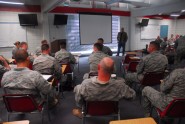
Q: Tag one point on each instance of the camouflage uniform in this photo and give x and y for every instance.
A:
(92, 89)
(163, 47)
(107, 50)
(2, 71)
(63, 54)
(171, 87)
(46, 64)
(95, 58)
(38, 51)
(154, 62)
(179, 46)
(25, 81)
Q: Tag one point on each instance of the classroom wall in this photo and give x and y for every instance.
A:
(174, 27)
(60, 32)
(33, 35)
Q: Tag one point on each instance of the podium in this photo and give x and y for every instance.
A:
(55, 45)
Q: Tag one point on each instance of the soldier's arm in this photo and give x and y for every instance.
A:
(118, 36)
(168, 82)
(5, 64)
(42, 85)
(90, 59)
(140, 67)
(57, 68)
(128, 92)
(110, 52)
(72, 59)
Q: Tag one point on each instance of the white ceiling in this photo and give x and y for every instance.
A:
(119, 4)
(125, 5)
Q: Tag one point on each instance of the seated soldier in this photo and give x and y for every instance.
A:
(95, 58)
(171, 87)
(153, 62)
(4, 67)
(105, 49)
(63, 56)
(102, 87)
(21, 80)
(38, 50)
(46, 64)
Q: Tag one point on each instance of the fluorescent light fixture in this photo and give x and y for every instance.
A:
(175, 15)
(11, 3)
(183, 10)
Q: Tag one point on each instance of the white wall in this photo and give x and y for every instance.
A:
(56, 32)
(33, 34)
(180, 27)
(138, 43)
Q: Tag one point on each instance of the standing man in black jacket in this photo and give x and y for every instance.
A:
(122, 39)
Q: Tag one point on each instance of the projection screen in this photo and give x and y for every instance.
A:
(94, 26)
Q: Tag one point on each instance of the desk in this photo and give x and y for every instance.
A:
(135, 121)
(134, 58)
(131, 53)
(46, 77)
(17, 122)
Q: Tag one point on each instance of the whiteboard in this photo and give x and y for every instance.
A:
(150, 32)
(94, 26)
(11, 32)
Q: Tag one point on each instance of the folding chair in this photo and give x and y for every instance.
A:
(67, 71)
(176, 109)
(100, 108)
(126, 60)
(131, 67)
(21, 104)
(151, 79)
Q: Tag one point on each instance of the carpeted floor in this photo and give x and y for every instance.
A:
(62, 113)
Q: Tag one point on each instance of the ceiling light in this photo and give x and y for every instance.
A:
(175, 15)
(183, 10)
(11, 3)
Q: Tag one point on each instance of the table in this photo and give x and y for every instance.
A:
(135, 121)
(17, 122)
(46, 77)
(131, 53)
(134, 58)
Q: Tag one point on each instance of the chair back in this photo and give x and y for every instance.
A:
(99, 108)
(20, 103)
(132, 66)
(127, 59)
(65, 60)
(176, 108)
(67, 68)
(152, 78)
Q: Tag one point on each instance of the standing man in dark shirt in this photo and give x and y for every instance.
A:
(122, 39)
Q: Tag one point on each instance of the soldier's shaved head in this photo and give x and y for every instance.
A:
(21, 55)
(107, 65)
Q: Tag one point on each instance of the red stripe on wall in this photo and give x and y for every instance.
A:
(20, 8)
(95, 10)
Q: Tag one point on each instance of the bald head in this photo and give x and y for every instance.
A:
(107, 65)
